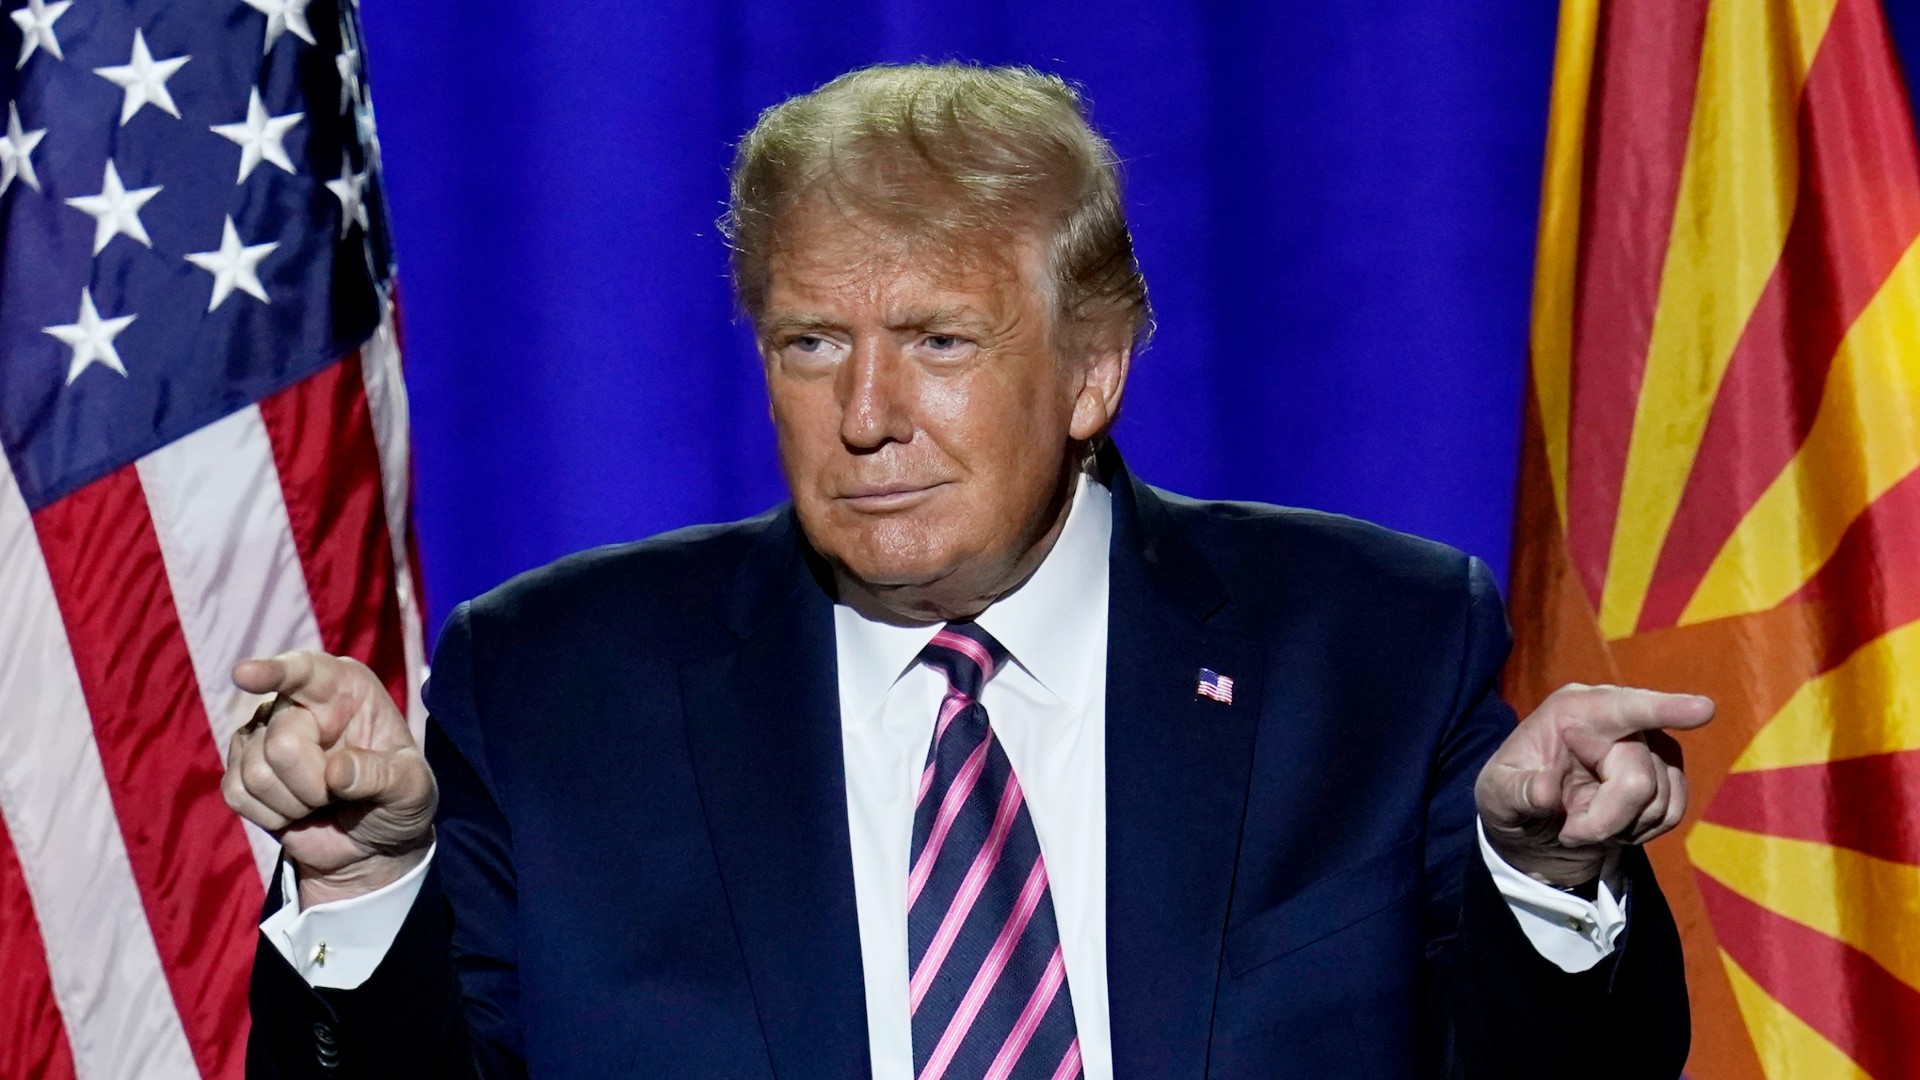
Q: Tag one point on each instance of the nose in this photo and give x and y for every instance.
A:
(875, 396)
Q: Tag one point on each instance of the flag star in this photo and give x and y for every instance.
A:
(116, 211)
(36, 28)
(144, 79)
(91, 338)
(282, 16)
(351, 189)
(234, 266)
(369, 130)
(348, 64)
(261, 137)
(16, 151)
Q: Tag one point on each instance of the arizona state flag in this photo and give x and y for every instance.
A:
(1721, 491)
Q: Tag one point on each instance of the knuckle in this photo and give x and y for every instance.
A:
(283, 745)
(231, 791)
(1638, 785)
(255, 774)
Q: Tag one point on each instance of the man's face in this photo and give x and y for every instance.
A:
(926, 423)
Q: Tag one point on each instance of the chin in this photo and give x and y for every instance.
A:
(892, 553)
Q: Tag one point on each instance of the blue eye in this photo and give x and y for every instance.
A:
(944, 342)
(807, 343)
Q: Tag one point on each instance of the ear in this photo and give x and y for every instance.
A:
(1098, 400)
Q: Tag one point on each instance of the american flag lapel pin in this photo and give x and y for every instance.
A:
(1214, 685)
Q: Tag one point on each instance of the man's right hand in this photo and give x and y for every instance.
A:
(329, 767)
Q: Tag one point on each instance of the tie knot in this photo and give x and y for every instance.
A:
(967, 654)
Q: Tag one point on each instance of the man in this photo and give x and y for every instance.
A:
(981, 758)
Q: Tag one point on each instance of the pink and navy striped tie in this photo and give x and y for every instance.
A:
(988, 988)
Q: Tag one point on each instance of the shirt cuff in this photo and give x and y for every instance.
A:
(338, 944)
(1573, 932)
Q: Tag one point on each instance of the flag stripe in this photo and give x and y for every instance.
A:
(1872, 584)
(1557, 260)
(1737, 192)
(100, 952)
(386, 390)
(1821, 887)
(231, 563)
(1869, 704)
(1847, 803)
(1846, 997)
(329, 465)
(1858, 211)
(1649, 66)
(36, 1039)
(1788, 1046)
(188, 851)
(1865, 439)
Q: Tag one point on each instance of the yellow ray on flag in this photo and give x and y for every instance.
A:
(1789, 1048)
(1865, 438)
(1869, 704)
(1823, 887)
(1556, 267)
(1737, 193)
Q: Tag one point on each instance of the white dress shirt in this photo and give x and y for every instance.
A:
(1048, 709)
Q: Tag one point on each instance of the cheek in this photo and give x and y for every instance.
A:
(806, 425)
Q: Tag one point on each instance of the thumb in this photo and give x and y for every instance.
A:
(356, 774)
(1525, 795)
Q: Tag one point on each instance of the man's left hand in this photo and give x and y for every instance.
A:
(1593, 769)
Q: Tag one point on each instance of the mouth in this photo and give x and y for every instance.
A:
(889, 498)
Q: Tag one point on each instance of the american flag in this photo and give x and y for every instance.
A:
(1215, 685)
(206, 459)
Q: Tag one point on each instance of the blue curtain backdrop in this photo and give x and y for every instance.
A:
(1334, 205)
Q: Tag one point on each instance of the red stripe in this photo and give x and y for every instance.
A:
(950, 803)
(1647, 61)
(1070, 1064)
(1032, 895)
(1036, 1008)
(33, 1039)
(329, 464)
(1838, 990)
(968, 648)
(961, 906)
(1858, 212)
(1871, 584)
(1860, 803)
(191, 861)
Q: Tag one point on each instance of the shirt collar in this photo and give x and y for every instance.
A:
(1053, 625)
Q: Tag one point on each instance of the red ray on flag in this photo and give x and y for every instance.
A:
(1720, 491)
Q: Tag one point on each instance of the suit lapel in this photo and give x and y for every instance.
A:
(1177, 773)
(764, 726)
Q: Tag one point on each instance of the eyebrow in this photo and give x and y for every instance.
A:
(959, 316)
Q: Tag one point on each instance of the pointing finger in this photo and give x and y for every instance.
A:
(1613, 713)
(308, 675)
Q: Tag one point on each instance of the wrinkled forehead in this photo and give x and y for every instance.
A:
(827, 248)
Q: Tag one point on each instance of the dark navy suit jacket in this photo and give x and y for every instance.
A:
(644, 866)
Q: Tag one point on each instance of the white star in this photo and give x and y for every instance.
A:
(348, 64)
(91, 338)
(261, 137)
(116, 211)
(36, 27)
(144, 79)
(369, 130)
(16, 151)
(282, 16)
(351, 189)
(234, 266)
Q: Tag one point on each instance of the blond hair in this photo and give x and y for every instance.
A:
(947, 152)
